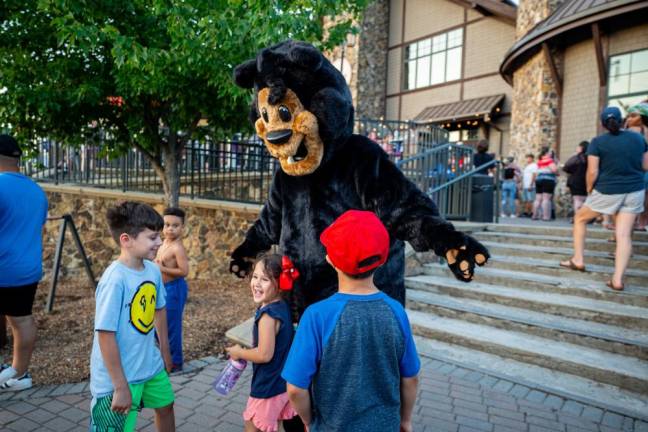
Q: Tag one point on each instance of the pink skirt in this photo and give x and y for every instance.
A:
(266, 413)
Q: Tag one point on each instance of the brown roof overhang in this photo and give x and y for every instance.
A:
(462, 110)
(504, 10)
(569, 16)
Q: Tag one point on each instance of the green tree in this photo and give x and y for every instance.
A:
(144, 72)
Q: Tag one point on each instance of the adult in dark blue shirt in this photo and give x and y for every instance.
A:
(23, 211)
(616, 162)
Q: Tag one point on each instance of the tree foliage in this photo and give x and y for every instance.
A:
(144, 72)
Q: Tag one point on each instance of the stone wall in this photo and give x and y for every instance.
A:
(535, 112)
(212, 229)
(531, 12)
(372, 60)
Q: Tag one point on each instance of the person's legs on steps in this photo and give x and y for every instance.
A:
(584, 215)
(624, 224)
(546, 206)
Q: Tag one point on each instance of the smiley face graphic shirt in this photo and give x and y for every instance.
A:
(126, 301)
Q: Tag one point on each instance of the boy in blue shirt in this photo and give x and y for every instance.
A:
(354, 350)
(127, 370)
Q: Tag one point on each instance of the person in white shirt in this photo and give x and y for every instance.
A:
(528, 186)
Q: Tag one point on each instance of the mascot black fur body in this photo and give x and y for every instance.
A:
(303, 111)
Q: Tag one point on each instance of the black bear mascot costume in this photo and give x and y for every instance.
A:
(302, 110)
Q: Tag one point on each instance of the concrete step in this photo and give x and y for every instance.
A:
(618, 370)
(568, 386)
(562, 231)
(639, 247)
(633, 295)
(595, 272)
(559, 253)
(606, 337)
(629, 316)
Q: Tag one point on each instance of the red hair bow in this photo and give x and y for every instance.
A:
(289, 274)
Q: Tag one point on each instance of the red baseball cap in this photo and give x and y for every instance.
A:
(356, 242)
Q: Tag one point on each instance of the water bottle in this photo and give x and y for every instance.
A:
(232, 372)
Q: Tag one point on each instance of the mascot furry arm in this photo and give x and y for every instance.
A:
(303, 112)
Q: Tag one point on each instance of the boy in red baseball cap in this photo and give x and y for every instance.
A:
(355, 348)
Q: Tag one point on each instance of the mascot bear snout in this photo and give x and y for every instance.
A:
(290, 132)
(279, 136)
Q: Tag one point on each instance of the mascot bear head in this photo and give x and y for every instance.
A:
(302, 107)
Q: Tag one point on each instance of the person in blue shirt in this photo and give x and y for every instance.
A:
(127, 369)
(353, 365)
(23, 212)
(616, 163)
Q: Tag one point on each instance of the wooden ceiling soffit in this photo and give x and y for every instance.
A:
(494, 8)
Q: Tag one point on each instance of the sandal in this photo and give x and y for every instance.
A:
(570, 265)
(610, 285)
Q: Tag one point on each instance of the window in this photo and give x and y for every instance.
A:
(434, 60)
(628, 79)
(464, 135)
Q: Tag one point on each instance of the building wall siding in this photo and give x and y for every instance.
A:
(486, 43)
(391, 111)
(489, 86)
(413, 103)
(423, 17)
(631, 39)
(395, 22)
(473, 15)
(580, 103)
(394, 68)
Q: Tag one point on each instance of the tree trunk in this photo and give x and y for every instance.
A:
(171, 177)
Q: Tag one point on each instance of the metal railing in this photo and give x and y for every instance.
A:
(400, 139)
(225, 170)
(462, 208)
(446, 174)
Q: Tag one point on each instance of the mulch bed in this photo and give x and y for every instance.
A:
(62, 353)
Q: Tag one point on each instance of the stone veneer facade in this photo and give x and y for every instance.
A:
(535, 112)
(372, 61)
(212, 229)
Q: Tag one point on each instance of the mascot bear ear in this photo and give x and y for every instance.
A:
(306, 55)
(245, 73)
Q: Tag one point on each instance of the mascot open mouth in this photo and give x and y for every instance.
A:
(302, 153)
(290, 133)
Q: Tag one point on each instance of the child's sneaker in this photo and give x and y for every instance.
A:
(6, 373)
(15, 384)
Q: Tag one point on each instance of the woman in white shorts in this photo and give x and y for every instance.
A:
(616, 162)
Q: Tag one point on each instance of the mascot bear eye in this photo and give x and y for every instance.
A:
(284, 113)
(264, 114)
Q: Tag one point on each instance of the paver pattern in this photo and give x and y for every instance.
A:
(450, 398)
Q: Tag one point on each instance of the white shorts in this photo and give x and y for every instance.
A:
(632, 202)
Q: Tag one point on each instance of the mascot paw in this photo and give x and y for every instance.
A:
(462, 261)
(240, 268)
(241, 263)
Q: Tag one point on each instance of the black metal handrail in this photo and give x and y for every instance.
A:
(434, 168)
(401, 139)
(470, 175)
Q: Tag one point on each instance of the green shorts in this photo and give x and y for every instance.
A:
(154, 393)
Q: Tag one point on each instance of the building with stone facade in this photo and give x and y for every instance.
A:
(572, 58)
(437, 62)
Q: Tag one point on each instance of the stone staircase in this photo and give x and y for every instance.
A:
(526, 319)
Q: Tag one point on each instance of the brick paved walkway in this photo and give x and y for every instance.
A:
(450, 399)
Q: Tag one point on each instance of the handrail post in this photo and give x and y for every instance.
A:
(498, 192)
